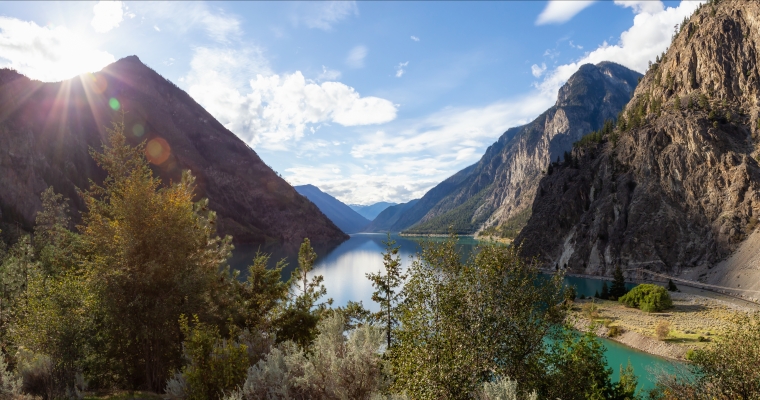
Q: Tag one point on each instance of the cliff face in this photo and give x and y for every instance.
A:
(502, 185)
(679, 188)
(46, 129)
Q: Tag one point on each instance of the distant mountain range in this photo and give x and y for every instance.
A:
(343, 216)
(371, 211)
(388, 219)
(48, 129)
(496, 193)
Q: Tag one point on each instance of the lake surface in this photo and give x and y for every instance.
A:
(345, 267)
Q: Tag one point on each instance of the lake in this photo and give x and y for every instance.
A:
(344, 268)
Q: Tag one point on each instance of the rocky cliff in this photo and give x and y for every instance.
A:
(500, 188)
(675, 185)
(47, 128)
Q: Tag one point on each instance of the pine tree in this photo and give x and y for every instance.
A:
(617, 289)
(605, 291)
(387, 293)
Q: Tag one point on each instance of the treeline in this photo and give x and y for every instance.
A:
(139, 297)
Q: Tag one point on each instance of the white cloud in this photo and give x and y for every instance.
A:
(328, 75)
(575, 46)
(400, 69)
(47, 54)
(179, 18)
(415, 38)
(107, 15)
(451, 131)
(537, 71)
(650, 34)
(356, 57)
(560, 11)
(156, 28)
(323, 15)
(274, 110)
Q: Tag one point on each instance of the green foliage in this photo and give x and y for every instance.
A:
(648, 297)
(726, 370)
(617, 289)
(605, 294)
(260, 294)
(596, 137)
(677, 103)
(215, 366)
(462, 323)
(298, 321)
(578, 370)
(338, 366)
(152, 254)
(387, 287)
(503, 389)
(512, 227)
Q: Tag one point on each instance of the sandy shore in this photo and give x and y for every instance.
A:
(696, 320)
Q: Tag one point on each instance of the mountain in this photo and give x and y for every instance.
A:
(385, 221)
(343, 216)
(497, 192)
(46, 130)
(676, 186)
(371, 211)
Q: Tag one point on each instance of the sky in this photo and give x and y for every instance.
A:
(369, 101)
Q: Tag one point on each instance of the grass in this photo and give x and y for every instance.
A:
(124, 396)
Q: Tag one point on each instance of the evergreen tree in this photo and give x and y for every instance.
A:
(605, 291)
(151, 255)
(672, 286)
(387, 287)
(298, 321)
(617, 289)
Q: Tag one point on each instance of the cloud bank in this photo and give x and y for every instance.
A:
(107, 15)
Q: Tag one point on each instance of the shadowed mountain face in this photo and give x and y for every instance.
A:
(501, 186)
(343, 216)
(47, 128)
(371, 211)
(388, 219)
(680, 187)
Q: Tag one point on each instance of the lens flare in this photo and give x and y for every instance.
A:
(99, 83)
(138, 130)
(115, 105)
(157, 151)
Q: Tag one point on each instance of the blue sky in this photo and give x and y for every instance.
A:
(370, 101)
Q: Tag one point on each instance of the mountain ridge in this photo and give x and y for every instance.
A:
(344, 217)
(47, 129)
(676, 186)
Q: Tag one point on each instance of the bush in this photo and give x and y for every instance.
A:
(10, 385)
(36, 373)
(648, 297)
(503, 389)
(672, 286)
(662, 330)
(614, 331)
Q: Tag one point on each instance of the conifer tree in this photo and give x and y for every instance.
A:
(605, 291)
(617, 289)
(387, 287)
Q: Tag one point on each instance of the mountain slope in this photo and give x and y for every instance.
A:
(371, 211)
(501, 186)
(680, 187)
(343, 216)
(387, 219)
(47, 128)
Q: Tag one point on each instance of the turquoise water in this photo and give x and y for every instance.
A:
(345, 267)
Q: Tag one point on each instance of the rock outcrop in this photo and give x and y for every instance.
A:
(500, 188)
(675, 186)
(46, 130)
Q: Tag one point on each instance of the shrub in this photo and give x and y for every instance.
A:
(614, 330)
(36, 373)
(700, 339)
(648, 297)
(503, 389)
(662, 330)
(10, 385)
(215, 365)
(672, 286)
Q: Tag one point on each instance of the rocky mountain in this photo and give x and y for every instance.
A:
(498, 191)
(46, 130)
(371, 211)
(675, 186)
(343, 216)
(386, 220)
